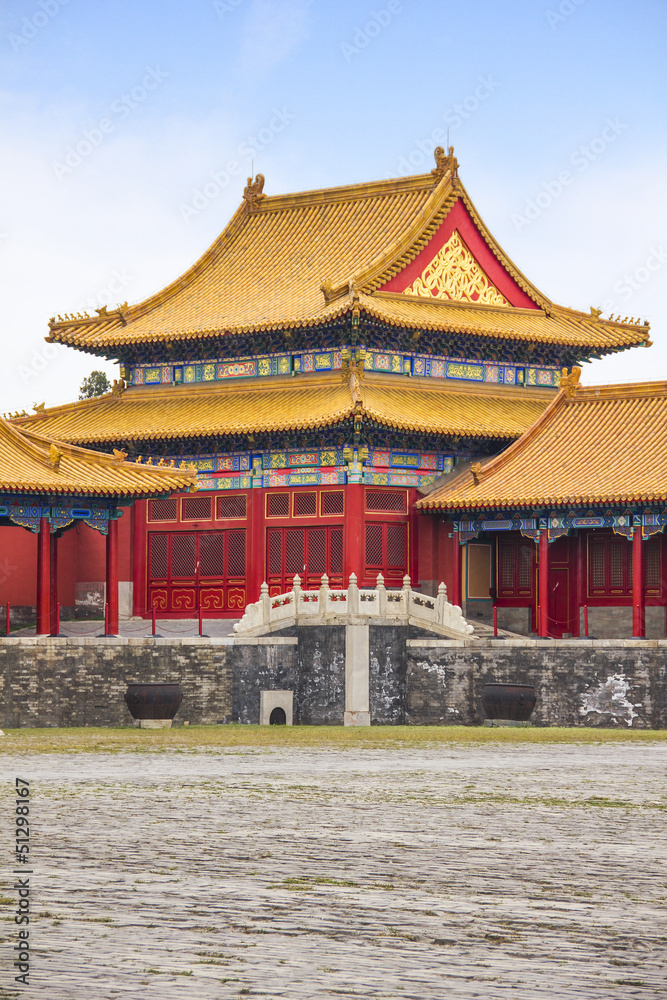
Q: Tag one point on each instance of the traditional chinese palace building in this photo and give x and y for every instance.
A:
(328, 359)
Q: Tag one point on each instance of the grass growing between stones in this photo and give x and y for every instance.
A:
(230, 737)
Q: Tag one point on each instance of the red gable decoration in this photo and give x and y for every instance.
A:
(487, 279)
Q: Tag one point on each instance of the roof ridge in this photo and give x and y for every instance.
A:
(345, 192)
(409, 243)
(531, 290)
(620, 390)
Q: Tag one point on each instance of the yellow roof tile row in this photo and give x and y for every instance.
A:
(300, 260)
(286, 403)
(422, 407)
(562, 326)
(33, 463)
(599, 445)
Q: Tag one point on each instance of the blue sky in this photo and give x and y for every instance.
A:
(556, 109)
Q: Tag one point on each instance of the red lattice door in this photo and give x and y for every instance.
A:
(310, 552)
(192, 569)
(387, 551)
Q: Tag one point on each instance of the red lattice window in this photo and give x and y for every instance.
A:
(652, 559)
(305, 504)
(231, 506)
(386, 502)
(236, 553)
(396, 545)
(386, 548)
(525, 554)
(317, 550)
(294, 551)
(275, 552)
(609, 565)
(374, 545)
(515, 567)
(158, 547)
(183, 557)
(197, 508)
(310, 552)
(277, 505)
(212, 553)
(163, 510)
(336, 554)
(333, 502)
(194, 569)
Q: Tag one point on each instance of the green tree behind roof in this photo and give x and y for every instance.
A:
(95, 384)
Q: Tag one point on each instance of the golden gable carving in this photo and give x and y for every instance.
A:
(455, 274)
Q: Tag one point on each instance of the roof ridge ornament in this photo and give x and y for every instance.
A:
(445, 162)
(569, 381)
(476, 471)
(253, 192)
(55, 454)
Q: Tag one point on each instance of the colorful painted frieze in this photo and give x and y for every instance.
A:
(311, 362)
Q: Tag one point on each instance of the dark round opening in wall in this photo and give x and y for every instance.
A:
(278, 717)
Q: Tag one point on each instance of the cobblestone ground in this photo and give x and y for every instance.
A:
(493, 871)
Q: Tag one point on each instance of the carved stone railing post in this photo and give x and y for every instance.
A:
(441, 603)
(265, 603)
(353, 596)
(296, 590)
(324, 595)
(406, 590)
(382, 596)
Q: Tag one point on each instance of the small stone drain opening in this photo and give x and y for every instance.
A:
(278, 717)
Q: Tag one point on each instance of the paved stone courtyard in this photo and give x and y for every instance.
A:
(480, 871)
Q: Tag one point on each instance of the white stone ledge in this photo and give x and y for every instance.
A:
(542, 643)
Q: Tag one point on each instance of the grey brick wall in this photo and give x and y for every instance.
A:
(414, 679)
(578, 682)
(82, 682)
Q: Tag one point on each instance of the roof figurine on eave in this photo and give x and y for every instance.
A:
(411, 253)
(592, 445)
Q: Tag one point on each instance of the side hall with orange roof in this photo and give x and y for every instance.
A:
(48, 487)
(331, 356)
(563, 531)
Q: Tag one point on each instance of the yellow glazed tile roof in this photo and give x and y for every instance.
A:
(594, 445)
(286, 403)
(562, 326)
(418, 405)
(180, 412)
(298, 260)
(33, 463)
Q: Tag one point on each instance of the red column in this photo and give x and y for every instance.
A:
(139, 543)
(112, 576)
(354, 548)
(44, 578)
(638, 613)
(255, 570)
(53, 588)
(543, 586)
(456, 596)
(413, 538)
(582, 583)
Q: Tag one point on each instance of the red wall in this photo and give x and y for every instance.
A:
(81, 558)
(18, 566)
(437, 550)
